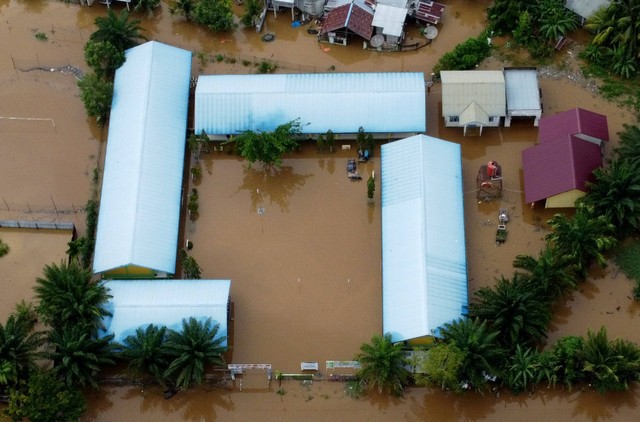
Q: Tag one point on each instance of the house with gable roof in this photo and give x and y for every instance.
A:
(569, 149)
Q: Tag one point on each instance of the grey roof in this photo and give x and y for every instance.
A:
(523, 92)
(460, 88)
(586, 8)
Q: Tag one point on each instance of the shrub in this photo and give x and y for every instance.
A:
(465, 55)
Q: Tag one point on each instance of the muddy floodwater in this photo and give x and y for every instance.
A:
(301, 245)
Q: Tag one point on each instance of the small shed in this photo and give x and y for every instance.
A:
(473, 99)
(569, 149)
(389, 20)
(586, 8)
(523, 94)
(424, 267)
(341, 23)
(137, 303)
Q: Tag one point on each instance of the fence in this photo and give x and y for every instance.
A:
(40, 212)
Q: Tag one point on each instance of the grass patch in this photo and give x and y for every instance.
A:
(41, 36)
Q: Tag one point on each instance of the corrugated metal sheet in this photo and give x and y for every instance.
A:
(462, 87)
(424, 271)
(140, 200)
(390, 19)
(523, 92)
(557, 167)
(586, 8)
(342, 102)
(577, 121)
(138, 303)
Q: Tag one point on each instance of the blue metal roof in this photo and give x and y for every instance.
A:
(341, 102)
(424, 270)
(138, 303)
(141, 188)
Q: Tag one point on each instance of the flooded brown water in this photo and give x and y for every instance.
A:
(301, 245)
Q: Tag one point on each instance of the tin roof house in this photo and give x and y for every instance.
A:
(523, 95)
(137, 233)
(387, 105)
(388, 21)
(424, 270)
(569, 149)
(473, 99)
(346, 21)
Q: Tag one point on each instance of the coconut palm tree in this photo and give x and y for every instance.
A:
(117, 30)
(615, 193)
(183, 8)
(78, 357)
(382, 365)
(522, 371)
(629, 149)
(19, 348)
(482, 353)
(610, 365)
(551, 274)
(68, 297)
(582, 238)
(555, 19)
(618, 25)
(192, 350)
(514, 309)
(146, 351)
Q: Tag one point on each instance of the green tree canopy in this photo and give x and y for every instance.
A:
(103, 57)
(146, 351)
(382, 365)
(440, 366)
(118, 30)
(552, 274)
(192, 350)
(69, 298)
(19, 349)
(268, 147)
(96, 95)
(217, 15)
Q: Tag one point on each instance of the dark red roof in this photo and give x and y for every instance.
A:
(577, 121)
(429, 11)
(557, 167)
(350, 16)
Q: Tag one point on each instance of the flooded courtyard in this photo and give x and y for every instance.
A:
(301, 244)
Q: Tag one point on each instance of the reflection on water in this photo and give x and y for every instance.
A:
(275, 184)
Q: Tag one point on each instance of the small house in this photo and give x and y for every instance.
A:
(473, 99)
(523, 95)
(346, 21)
(424, 266)
(570, 148)
(389, 20)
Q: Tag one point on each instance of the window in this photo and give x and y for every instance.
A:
(453, 118)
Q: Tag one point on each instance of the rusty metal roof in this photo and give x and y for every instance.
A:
(355, 16)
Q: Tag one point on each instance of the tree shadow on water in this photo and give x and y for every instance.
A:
(599, 407)
(273, 184)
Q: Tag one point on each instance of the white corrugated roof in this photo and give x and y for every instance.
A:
(462, 87)
(424, 272)
(390, 19)
(142, 181)
(341, 102)
(586, 8)
(523, 92)
(138, 303)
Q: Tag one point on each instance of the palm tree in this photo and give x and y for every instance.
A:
(69, 297)
(78, 358)
(193, 349)
(522, 371)
(551, 274)
(514, 309)
(615, 193)
(19, 348)
(483, 353)
(382, 365)
(146, 352)
(582, 238)
(610, 365)
(183, 8)
(629, 149)
(147, 7)
(617, 25)
(555, 19)
(118, 30)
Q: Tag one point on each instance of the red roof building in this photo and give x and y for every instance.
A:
(569, 149)
(356, 17)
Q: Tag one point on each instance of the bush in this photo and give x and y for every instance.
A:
(464, 56)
